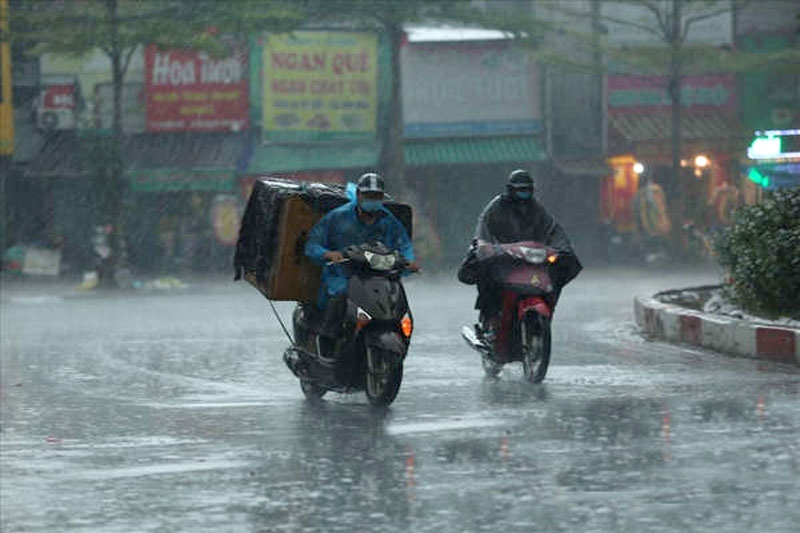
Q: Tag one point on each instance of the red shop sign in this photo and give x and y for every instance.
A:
(59, 97)
(192, 91)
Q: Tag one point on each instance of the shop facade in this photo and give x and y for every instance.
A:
(707, 187)
(472, 113)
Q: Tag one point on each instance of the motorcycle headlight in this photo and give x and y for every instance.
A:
(380, 261)
(534, 255)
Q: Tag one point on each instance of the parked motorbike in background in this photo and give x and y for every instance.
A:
(376, 331)
(522, 271)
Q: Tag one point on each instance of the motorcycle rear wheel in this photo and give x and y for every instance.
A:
(383, 378)
(312, 391)
(536, 341)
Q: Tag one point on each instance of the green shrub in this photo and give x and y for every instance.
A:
(761, 252)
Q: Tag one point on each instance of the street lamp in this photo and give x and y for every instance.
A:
(638, 167)
(701, 161)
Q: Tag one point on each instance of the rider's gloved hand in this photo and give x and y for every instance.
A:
(413, 266)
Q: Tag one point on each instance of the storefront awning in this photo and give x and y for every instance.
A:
(469, 151)
(647, 130)
(271, 158)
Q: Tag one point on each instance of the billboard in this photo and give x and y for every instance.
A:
(469, 88)
(188, 90)
(6, 104)
(322, 84)
(640, 94)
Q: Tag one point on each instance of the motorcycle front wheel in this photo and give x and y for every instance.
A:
(535, 347)
(312, 391)
(491, 368)
(383, 377)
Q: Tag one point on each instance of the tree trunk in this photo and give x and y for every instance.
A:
(676, 103)
(392, 160)
(598, 66)
(115, 189)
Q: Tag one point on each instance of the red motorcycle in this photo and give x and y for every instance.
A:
(522, 272)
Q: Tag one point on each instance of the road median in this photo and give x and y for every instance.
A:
(732, 336)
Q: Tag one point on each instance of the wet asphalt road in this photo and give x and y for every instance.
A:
(174, 412)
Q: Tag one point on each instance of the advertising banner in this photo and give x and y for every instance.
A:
(57, 106)
(191, 91)
(6, 105)
(452, 89)
(638, 94)
(320, 83)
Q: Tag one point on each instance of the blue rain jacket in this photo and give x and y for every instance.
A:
(341, 228)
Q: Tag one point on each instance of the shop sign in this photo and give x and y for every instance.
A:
(56, 107)
(776, 144)
(638, 94)
(191, 91)
(452, 89)
(322, 84)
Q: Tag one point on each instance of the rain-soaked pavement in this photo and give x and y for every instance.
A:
(174, 412)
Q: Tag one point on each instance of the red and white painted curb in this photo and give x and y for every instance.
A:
(727, 335)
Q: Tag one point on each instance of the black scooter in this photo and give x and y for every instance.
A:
(376, 331)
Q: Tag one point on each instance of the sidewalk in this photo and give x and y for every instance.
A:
(731, 336)
(15, 285)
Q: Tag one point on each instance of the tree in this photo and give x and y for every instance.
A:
(664, 45)
(119, 27)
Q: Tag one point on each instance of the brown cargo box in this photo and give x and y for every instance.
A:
(270, 252)
(292, 276)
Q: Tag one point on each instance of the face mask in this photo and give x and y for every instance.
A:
(371, 206)
(523, 195)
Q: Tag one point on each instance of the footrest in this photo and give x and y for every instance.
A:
(469, 335)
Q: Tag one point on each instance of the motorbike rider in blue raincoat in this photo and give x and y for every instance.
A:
(357, 222)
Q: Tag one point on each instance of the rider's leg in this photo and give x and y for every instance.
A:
(331, 326)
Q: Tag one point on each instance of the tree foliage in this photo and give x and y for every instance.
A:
(761, 252)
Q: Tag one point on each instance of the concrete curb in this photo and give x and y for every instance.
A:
(726, 335)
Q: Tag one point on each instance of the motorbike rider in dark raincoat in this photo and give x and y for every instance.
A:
(516, 216)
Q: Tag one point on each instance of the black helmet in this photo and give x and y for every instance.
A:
(370, 182)
(520, 179)
(519, 186)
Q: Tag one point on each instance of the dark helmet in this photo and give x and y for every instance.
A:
(518, 181)
(370, 182)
